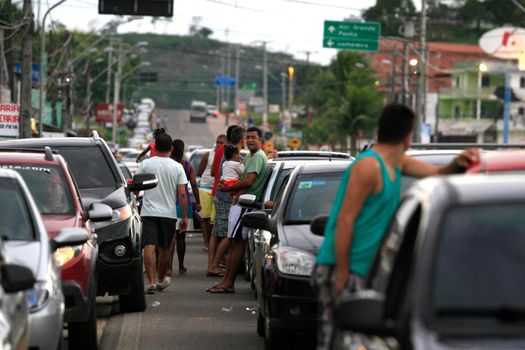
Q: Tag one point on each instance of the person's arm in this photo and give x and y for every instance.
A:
(364, 181)
(203, 163)
(183, 201)
(195, 188)
(143, 153)
(417, 168)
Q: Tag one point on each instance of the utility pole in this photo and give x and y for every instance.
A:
(67, 95)
(223, 73)
(9, 52)
(110, 64)
(116, 94)
(422, 81)
(283, 101)
(27, 73)
(307, 102)
(265, 86)
(89, 81)
(237, 77)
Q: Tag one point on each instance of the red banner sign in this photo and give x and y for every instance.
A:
(104, 113)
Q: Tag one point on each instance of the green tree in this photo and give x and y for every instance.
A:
(475, 11)
(345, 100)
(505, 12)
(389, 13)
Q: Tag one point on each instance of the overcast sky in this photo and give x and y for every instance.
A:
(292, 26)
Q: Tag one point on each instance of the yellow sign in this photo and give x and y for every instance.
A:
(268, 146)
(294, 142)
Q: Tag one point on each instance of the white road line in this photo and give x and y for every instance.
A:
(130, 332)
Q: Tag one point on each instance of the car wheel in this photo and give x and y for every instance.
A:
(83, 335)
(273, 339)
(135, 301)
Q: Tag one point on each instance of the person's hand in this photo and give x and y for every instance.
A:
(341, 280)
(183, 224)
(198, 207)
(137, 160)
(221, 187)
(465, 159)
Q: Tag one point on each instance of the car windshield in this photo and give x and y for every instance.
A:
(49, 188)
(15, 222)
(312, 195)
(195, 160)
(198, 109)
(435, 159)
(89, 166)
(478, 274)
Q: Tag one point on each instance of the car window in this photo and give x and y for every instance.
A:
(283, 173)
(478, 274)
(381, 270)
(195, 160)
(15, 221)
(280, 194)
(90, 167)
(312, 195)
(48, 186)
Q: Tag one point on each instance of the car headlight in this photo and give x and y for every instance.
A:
(64, 254)
(38, 296)
(119, 214)
(294, 261)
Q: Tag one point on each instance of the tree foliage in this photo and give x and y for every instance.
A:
(390, 14)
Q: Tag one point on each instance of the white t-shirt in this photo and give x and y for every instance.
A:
(161, 200)
(232, 169)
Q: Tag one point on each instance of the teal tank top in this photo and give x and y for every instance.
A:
(371, 223)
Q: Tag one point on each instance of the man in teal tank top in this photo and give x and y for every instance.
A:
(367, 198)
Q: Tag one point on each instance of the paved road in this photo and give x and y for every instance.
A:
(186, 316)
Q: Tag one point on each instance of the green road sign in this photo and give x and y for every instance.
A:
(352, 35)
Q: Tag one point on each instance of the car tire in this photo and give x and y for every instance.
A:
(135, 301)
(247, 259)
(260, 324)
(83, 335)
(273, 339)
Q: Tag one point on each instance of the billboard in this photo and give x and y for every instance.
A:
(104, 113)
(9, 120)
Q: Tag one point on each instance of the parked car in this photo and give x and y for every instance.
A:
(448, 274)
(15, 280)
(58, 200)
(285, 298)
(28, 244)
(213, 111)
(198, 111)
(311, 155)
(99, 179)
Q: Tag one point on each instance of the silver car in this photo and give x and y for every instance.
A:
(27, 242)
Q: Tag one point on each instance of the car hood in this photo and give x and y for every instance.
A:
(28, 254)
(300, 237)
(55, 223)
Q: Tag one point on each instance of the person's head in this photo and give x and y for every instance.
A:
(229, 133)
(231, 152)
(237, 137)
(157, 132)
(221, 140)
(396, 124)
(163, 143)
(253, 139)
(177, 152)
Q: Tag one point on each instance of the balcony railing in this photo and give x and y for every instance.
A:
(472, 93)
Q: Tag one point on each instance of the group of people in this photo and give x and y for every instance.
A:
(367, 198)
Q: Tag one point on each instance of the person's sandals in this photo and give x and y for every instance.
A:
(214, 274)
(218, 290)
(164, 284)
(151, 289)
(183, 271)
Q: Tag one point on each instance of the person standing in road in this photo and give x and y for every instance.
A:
(177, 154)
(205, 191)
(159, 213)
(252, 182)
(367, 198)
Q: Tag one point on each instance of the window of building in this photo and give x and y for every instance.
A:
(521, 111)
(522, 82)
(485, 81)
(457, 81)
(457, 112)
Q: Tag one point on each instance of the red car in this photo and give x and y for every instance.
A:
(500, 161)
(48, 177)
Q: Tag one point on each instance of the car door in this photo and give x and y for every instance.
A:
(390, 275)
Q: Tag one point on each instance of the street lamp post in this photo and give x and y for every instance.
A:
(43, 72)
(481, 69)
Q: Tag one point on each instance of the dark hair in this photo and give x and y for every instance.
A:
(163, 143)
(178, 150)
(158, 131)
(237, 135)
(230, 151)
(221, 136)
(229, 132)
(396, 122)
(256, 129)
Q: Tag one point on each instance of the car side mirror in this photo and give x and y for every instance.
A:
(100, 212)
(318, 225)
(256, 219)
(16, 278)
(363, 312)
(142, 182)
(69, 237)
(247, 200)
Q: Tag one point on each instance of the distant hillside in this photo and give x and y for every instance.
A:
(187, 67)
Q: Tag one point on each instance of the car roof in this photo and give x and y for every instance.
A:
(500, 161)
(312, 154)
(323, 167)
(8, 173)
(35, 157)
(50, 141)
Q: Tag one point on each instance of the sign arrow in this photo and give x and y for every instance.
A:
(331, 29)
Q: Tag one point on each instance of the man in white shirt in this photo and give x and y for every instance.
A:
(159, 213)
